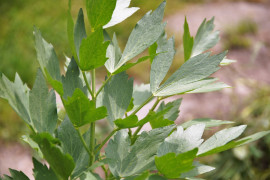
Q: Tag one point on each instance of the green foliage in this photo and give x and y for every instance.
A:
(167, 150)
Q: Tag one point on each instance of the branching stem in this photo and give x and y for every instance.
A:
(87, 84)
(106, 81)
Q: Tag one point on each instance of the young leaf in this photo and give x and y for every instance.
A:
(113, 54)
(208, 122)
(72, 80)
(187, 41)
(121, 12)
(205, 37)
(152, 50)
(61, 163)
(99, 12)
(191, 75)
(221, 138)
(172, 165)
(48, 61)
(126, 160)
(129, 122)
(198, 170)
(173, 113)
(72, 145)
(81, 110)
(140, 94)
(79, 32)
(17, 95)
(157, 119)
(93, 51)
(15, 175)
(145, 33)
(42, 105)
(162, 62)
(117, 95)
(181, 141)
(42, 172)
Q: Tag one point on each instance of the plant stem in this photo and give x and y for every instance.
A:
(106, 81)
(106, 139)
(83, 141)
(92, 125)
(143, 104)
(87, 84)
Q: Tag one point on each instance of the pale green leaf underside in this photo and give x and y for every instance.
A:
(207, 121)
(173, 113)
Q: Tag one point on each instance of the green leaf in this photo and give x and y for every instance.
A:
(117, 95)
(72, 145)
(157, 119)
(205, 37)
(72, 80)
(32, 144)
(42, 105)
(237, 143)
(90, 176)
(221, 138)
(162, 62)
(81, 110)
(42, 172)
(156, 177)
(216, 86)
(181, 141)
(48, 61)
(173, 113)
(79, 32)
(130, 65)
(61, 163)
(140, 94)
(172, 165)
(128, 160)
(17, 95)
(15, 175)
(129, 122)
(70, 32)
(121, 12)
(199, 169)
(142, 176)
(207, 121)
(187, 41)
(93, 51)
(191, 75)
(152, 51)
(145, 33)
(113, 54)
(99, 12)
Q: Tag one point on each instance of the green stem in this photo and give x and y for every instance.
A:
(83, 141)
(106, 81)
(143, 104)
(87, 84)
(106, 139)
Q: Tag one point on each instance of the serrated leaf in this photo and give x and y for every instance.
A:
(216, 86)
(99, 12)
(15, 175)
(42, 105)
(207, 121)
(93, 51)
(181, 141)
(140, 94)
(173, 113)
(72, 145)
(79, 32)
(42, 172)
(17, 95)
(129, 160)
(48, 61)
(117, 95)
(221, 138)
(61, 163)
(187, 41)
(205, 37)
(81, 110)
(162, 62)
(145, 33)
(198, 169)
(113, 54)
(72, 80)
(157, 119)
(172, 165)
(121, 12)
(191, 75)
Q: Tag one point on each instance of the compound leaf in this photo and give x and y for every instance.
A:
(42, 105)
(145, 33)
(15, 175)
(173, 113)
(121, 12)
(93, 51)
(81, 110)
(42, 172)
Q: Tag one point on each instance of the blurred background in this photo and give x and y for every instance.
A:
(245, 32)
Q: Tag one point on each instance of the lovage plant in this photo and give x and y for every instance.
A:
(168, 151)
